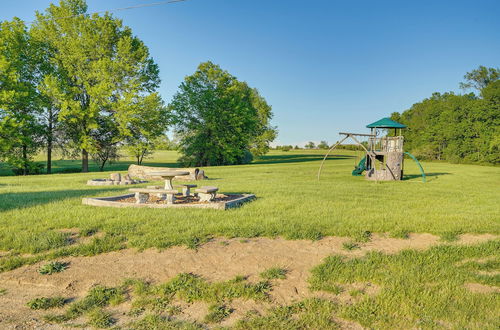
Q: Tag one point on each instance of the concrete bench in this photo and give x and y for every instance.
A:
(186, 188)
(142, 194)
(207, 193)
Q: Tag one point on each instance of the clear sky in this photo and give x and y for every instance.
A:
(324, 65)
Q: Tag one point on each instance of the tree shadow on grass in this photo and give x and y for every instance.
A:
(415, 176)
(18, 200)
(294, 158)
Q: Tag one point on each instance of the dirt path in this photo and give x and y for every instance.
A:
(218, 260)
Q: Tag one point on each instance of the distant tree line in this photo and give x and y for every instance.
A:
(85, 85)
(457, 128)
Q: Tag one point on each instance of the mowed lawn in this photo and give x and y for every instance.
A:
(290, 203)
(422, 289)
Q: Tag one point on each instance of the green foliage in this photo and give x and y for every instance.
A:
(99, 318)
(53, 267)
(457, 128)
(103, 83)
(217, 313)
(20, 104)
(323, 145)
(310, 145)
(220, 120)
(480, 78)
(274, 273)
(418, 288)
(46, 303)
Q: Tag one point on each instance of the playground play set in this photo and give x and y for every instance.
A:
(383, 155)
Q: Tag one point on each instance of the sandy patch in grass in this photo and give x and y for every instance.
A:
(218, 260)
(482, 288)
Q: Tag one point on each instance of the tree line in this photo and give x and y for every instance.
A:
(85, 85)
(457, 128)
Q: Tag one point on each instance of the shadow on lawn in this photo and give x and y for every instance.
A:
(18, 200)
(416, 176)
(294, 158)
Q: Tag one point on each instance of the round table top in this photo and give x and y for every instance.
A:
(168, 173)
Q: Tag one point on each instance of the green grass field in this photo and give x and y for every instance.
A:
(290, 203)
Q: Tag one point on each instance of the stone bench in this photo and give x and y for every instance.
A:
(207, 193)
(142, 194)
(186, 188)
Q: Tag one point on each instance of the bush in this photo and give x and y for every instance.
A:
(32, 168)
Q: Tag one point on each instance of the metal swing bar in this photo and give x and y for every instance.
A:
(347, 135)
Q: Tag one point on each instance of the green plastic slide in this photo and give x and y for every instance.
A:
(360, 168)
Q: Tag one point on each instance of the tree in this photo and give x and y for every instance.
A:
(101, 74)
(19, 99)
(146, 132)
(480, 78)
(310, 145)
(218, 118)
(266, 133)
(456, 128)
(323, 145)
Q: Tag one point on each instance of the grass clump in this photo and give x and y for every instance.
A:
(87, 232)
(98, 296)
(450, 236)
(161, 322)
(350, 246)
(53, 267)
(3, 292)
(419, 289)
(363, 236)
(191, 287)
(309, 314)
(217, 313)
(99, 318)
(400, 233)
(46, 303)
(274, 273)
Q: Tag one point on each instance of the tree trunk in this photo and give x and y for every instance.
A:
(85, 161)
(25, 159)
(49, 157)
(49, 143)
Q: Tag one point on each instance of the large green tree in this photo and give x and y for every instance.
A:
(457, 128)
(101, 75)
(19, 99)
(219, 119)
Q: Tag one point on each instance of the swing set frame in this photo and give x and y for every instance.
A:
(353, 137)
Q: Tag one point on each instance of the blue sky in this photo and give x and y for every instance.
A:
(325, 66)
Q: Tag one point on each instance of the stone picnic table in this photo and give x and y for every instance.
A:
(168, 175)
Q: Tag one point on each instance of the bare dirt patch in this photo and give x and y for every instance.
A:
(218, 260)
(482, 288)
